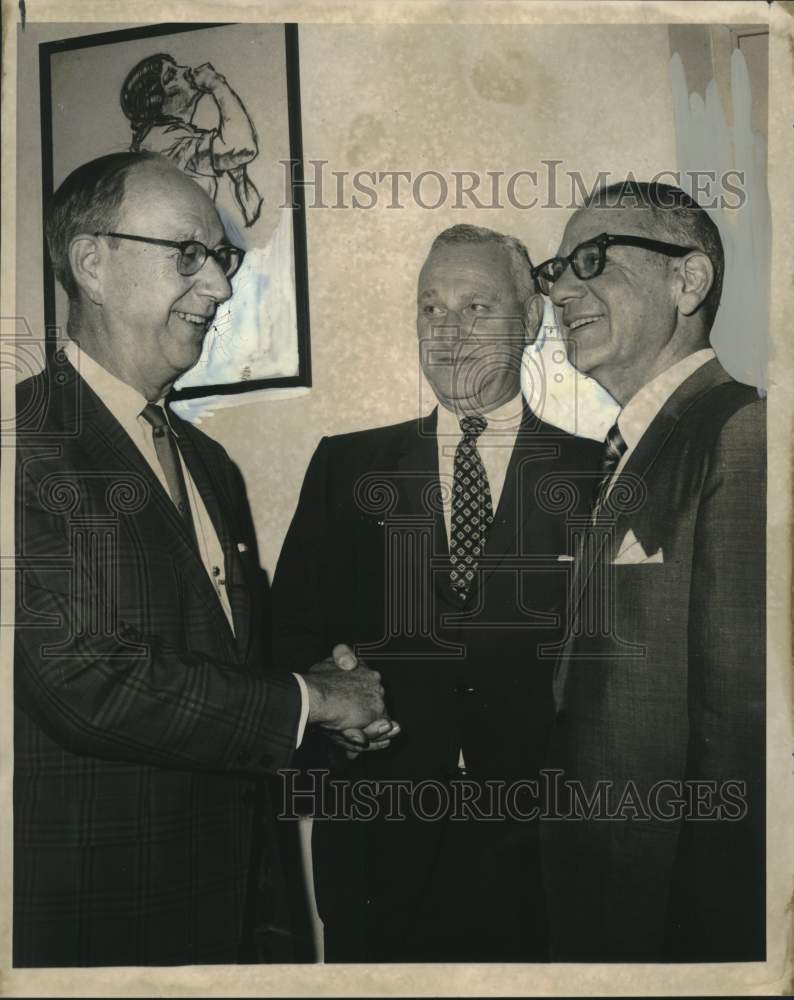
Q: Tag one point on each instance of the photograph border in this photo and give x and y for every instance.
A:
(773, 977)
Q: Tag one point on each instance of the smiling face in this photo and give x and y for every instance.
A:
(155, 319)
(618, 326)
(470, 324)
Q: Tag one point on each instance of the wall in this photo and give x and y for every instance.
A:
(499, 98)
(720, 89)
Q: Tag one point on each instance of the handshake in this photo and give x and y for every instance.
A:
(346, 701)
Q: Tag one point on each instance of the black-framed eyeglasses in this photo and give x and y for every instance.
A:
(193, 254)
(587, 260)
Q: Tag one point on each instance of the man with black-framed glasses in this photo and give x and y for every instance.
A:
(659, 686)
(147, 718)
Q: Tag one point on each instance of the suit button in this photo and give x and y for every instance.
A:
(243, 757)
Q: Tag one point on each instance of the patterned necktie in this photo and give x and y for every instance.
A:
(614, 449)
(168, 457)
(472, 509)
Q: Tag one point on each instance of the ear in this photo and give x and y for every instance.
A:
(695, 278)
(86, 260)
(534, 317)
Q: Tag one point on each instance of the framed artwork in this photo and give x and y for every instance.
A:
(233, 124)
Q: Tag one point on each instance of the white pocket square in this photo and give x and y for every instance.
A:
(564, 558)
(631, 552)
(242, 547)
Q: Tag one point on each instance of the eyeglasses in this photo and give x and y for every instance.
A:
(192, 254)
(588, 259)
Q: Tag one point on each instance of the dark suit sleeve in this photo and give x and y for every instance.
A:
(300, 596)
(727, 624)
(102, 689)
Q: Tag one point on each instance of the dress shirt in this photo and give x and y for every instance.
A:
(126, 404)
(641, 410)
(495, 446)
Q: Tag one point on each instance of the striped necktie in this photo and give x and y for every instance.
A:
(168, 456)
(614, 449)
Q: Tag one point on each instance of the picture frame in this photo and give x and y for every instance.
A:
(161, 88)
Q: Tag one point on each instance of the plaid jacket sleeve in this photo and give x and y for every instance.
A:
(119, 657)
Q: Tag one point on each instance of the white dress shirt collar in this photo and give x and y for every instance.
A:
(638, 414)
(504, 420)
(124, 402)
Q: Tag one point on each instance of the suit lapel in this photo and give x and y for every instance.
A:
(215, 500)
(534, 453)
(419, 490)
(637, 469)
(636, 472)
(108, 447)
(106, 443)
(641, 460)
(417, 478)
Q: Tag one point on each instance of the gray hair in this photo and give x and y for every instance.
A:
(517, 253)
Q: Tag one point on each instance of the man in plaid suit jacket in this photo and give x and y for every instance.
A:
(145, 724)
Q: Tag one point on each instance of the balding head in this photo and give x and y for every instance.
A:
(119, 229)
(88, 201)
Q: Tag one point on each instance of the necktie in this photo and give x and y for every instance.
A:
(472, 509)
(614, 449)
(168, 456)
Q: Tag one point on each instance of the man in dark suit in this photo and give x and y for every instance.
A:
(654, 847)
(433, 547)
(145, 722)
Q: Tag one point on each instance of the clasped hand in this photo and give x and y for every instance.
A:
(346, 702)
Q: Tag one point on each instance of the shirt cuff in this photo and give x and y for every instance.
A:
(304, 708)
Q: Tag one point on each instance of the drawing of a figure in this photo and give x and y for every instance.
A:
(159, 97)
